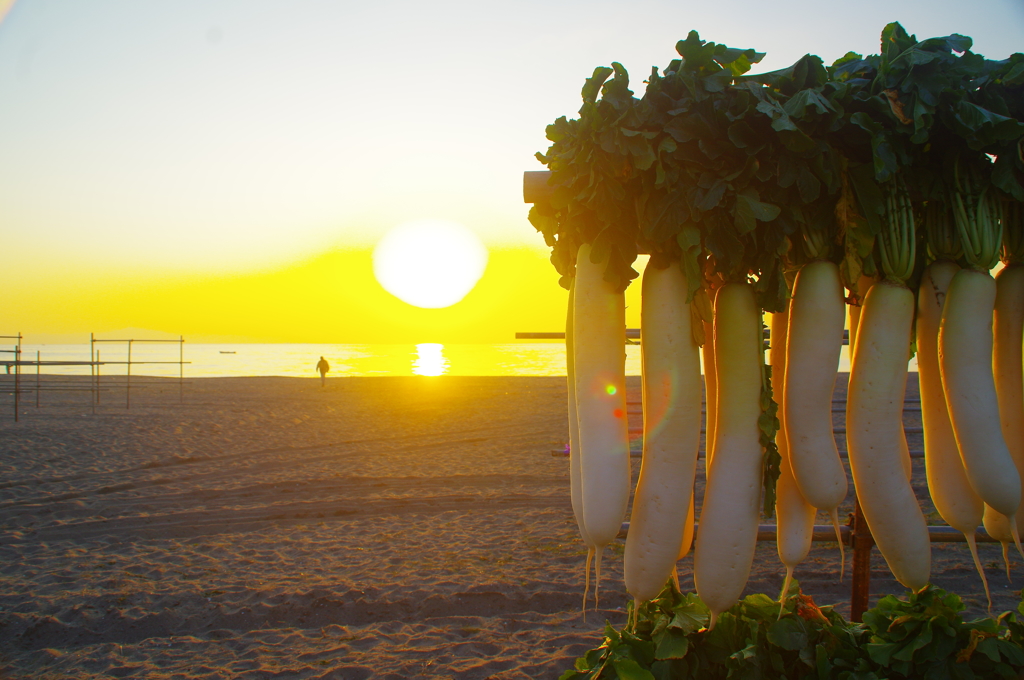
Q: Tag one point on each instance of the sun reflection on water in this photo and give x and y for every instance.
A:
(430, 359)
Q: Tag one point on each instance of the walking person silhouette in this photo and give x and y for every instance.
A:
(323, 367)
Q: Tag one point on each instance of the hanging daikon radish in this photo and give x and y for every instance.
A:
(864, 283)
(1008, 326)
(689, 528)
(599, 363)
(710, 405)
(951, 493)
(794, 516)
(814, 343)
(875, 402)
(710, 387)
(965, 349)
(672, 419)
(575, 479)
(908, 469)
(727, 532)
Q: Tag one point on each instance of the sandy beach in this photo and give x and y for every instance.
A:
(375, 528)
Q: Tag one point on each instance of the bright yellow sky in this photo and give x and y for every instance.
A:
(328, 298)
(223, 170)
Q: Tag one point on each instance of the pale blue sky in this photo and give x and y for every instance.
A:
(189, 135)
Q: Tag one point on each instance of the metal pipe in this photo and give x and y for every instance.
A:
(128, 379)
(17, 376)
(94, 372)
(181, 369)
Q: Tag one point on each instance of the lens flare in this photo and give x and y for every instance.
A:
(610, 389)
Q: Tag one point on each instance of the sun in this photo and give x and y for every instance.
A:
(429, 263)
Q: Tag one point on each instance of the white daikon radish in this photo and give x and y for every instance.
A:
(689, 528)
(814, 343)
(575, 479)
(794, 516)
(965, 349)
(672, 419)
(599, 340)
(908, 469)
(951, 493)
(710, 388)
(873, 421)
(874, 407)
(864, 284)
(1008, 326)
(965, 361)
(727, 532)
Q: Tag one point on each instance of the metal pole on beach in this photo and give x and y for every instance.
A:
(181, 369)
(37, 378)
(128, 380)
(94, 377)
(17, 376)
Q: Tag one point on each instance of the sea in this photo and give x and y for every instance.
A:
(535, 358)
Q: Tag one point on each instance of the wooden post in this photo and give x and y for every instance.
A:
(37, 378)
(535, 186)
(862, 543)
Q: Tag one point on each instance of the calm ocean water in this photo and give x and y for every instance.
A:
(299, 360)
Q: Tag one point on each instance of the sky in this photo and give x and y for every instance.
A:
(223, 169)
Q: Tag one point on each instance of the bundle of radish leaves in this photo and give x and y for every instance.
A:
(921, 636)
(898, 176)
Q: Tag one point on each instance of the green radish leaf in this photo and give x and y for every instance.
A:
(628, 669)
(768, 424)
(788, 634)
(797, 106)
(712, 197)
(821, 661)
(759, 210)
(672, 645)
(744, 216)
(745, 137)
(881, 653)
(593, 84)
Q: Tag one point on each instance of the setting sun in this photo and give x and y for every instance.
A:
(429, 263)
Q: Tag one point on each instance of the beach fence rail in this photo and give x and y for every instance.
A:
(16, 351)
(95, 386)
(94, 352)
